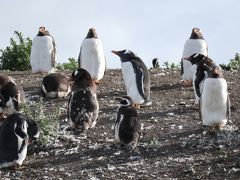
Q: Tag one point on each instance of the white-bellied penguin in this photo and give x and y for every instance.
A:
(91, 56)
(83, 104)
(195, 44)
(127, 127)
(43, 52)
(136, 77)
(55, 85)
(16, 132)
(11, 95)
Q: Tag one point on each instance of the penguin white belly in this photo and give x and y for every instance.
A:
(41, 54)
(92, 58)
(214, 102)
(192, 46)
(117, 125)
(22, 155)
(129, 77)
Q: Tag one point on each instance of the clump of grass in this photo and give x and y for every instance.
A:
(48, 124)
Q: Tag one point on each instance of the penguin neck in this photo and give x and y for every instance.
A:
(42, 34)
(196, 36)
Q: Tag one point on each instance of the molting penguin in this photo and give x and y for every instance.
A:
(127, 125)
(43, 52)
(155, 63)
(12, 95)
(199, 61)
(83, 105)
(55, 86)
(214, 102)
(136, 77)
(91, 56)
(195, 44)
(16, 132)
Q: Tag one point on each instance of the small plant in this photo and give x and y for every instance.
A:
(234, 64)
(16, 57)
(71, 65)
(48, 124)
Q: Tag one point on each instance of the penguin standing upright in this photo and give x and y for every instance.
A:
(136, 77)
(91, 56)
(83, 105)
(214, 101)
(127, 126)
(199, 61)
(43, 52)
(11, 95)
(155, 63)
(55, 85)
(195, 44)
(16, 132)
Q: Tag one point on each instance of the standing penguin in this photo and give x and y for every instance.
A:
(16, 132)
(127, 125)
(136, 77)
(55, 85)
(12, 95)
(155, 63)
(43, 52)
(83, 105)
(195, 44)
(199, 61)
(91, 56)
(214, 102)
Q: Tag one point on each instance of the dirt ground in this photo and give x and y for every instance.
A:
(173, 145)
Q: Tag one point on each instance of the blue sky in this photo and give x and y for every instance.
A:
(153, 28)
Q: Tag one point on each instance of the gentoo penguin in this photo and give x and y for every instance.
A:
(83, 104)
(155, 63)
(199, 61)
(43, 52)
(136, 77)
(11, 95)
(55, 85)
(214, 102)
(91, 56)
(16, 132)
(127, 125)
(195, 44)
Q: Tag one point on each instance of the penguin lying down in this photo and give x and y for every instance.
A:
(16, 132)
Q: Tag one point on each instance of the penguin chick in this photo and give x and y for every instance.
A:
(55, 85)
(83, 104)
(136, 77)
(127, 125)
(12, 95)
(16, 132)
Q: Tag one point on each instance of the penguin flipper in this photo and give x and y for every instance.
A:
(228, 108)
(53, 54)
(139, 79)
(79, 58)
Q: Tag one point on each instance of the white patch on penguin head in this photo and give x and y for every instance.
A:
(196, 55)
(125, 101)
(127, 51)
(76, 72)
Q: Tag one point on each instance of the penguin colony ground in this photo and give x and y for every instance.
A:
(163, 111)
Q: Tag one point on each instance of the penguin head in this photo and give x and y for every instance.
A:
(42, 31)
(125, 55)
(92, 33)
(196, 34)
(80, 75)
(214, 72)
(2, 105)
(125, 101)
(196, 58)
(32, 130)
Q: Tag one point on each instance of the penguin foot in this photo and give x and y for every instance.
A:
(137, 106)
(146, 104)
(186, 83)
(98, 82)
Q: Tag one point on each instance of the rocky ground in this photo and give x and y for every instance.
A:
(174, 144)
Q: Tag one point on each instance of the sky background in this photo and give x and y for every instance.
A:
(153, 28)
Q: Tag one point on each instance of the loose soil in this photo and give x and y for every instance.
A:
(173, 145)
